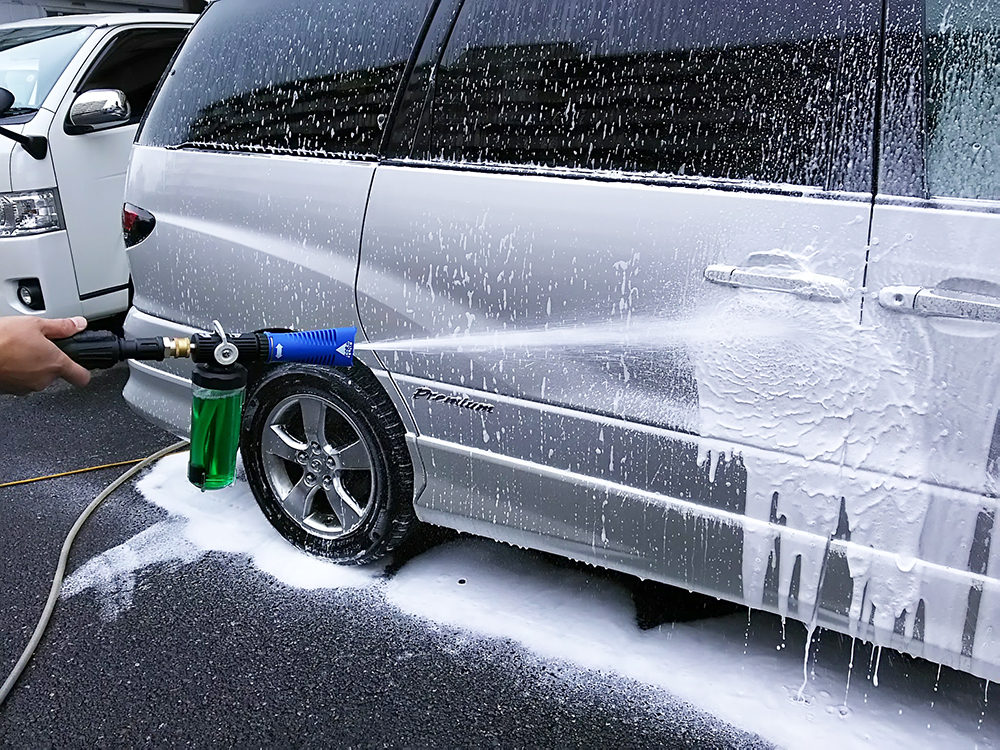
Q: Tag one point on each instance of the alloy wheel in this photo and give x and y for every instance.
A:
(318, 465)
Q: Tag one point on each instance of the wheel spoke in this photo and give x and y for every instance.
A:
(279, 443)
(314, 420)
(344, 506)
(353, 456)
(298, 502)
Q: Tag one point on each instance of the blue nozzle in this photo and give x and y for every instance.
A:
(331, 346)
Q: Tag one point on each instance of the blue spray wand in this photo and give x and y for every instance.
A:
(219, 379)
(329, 346)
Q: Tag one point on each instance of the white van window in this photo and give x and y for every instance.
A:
(963, 98)
(32, 59)
(737, 89)
(134, 63)
(310, 77)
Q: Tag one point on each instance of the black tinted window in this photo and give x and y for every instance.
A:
(963, 98)
(296, 76)
(134, 63)
(740, 89)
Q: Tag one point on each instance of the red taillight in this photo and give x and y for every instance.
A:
(137, 223)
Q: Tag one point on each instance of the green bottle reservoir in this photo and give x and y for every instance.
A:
(216, 410)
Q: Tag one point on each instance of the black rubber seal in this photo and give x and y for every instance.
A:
(219, 378)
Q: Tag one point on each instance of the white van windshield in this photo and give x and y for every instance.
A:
(32, 58)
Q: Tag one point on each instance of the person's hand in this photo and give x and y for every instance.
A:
(29, 361)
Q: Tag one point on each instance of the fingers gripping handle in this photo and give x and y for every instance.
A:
(330, 346)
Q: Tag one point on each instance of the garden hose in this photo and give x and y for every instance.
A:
(57, 579)
(32, 480)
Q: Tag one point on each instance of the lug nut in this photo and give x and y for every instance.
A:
(302, 457)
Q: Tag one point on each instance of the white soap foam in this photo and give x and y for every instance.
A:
(712, 664)
(226, 520)
(489, 590)
(850, 402)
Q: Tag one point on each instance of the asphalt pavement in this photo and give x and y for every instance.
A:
(216, 653)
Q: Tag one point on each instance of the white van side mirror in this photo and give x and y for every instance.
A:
(99, 109)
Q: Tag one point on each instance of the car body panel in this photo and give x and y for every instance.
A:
(592, 296)
(21, 256)
(282, 233)
(6, 153)
(825, 581)
(944, 441)
(296, 271)
(26, 172)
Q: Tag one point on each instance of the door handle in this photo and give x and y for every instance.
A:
(800, 283)
(939, 303)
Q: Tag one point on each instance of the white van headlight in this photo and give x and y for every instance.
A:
(29, 212)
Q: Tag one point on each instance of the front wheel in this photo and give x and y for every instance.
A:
(325, 455)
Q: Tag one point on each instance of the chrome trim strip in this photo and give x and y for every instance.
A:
(632, 178)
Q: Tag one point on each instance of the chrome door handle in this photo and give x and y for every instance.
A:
(800, 283)
(940, 303)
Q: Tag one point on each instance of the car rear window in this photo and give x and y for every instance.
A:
(311, 77)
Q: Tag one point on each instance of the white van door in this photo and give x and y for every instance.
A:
(90, 166)
(934, 303)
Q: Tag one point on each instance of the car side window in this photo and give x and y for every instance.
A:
(312, 77)
(133, 63)
(732, 89)
(962, 98)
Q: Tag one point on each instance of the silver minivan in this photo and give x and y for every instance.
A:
(705, 292)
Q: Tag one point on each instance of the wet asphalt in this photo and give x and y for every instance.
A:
(217, 654)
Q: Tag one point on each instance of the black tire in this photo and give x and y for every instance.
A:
(334, 512)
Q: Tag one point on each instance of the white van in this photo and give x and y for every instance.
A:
(80, 85)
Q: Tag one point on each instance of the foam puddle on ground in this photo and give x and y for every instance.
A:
(493, 591)
(225, 520)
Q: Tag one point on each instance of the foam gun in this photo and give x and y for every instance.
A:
(219, 380)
